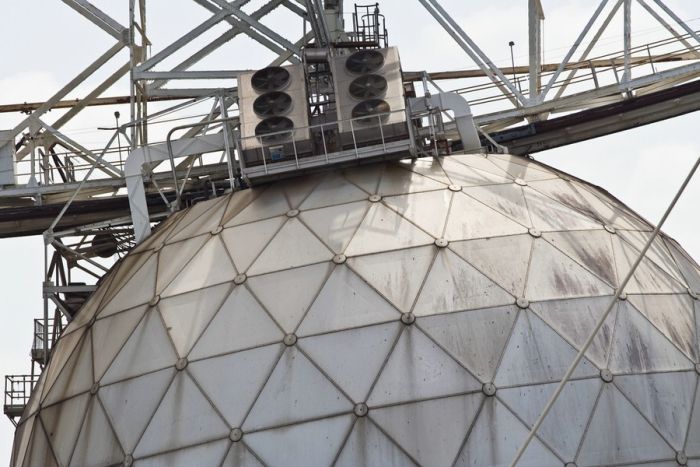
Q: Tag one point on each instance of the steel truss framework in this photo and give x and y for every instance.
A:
(63, 173)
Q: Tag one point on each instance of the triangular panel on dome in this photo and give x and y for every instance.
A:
(471, 219)
(564, 426)
(295, 391)
(287, 294)
(97, 444)
(673, 315)
(665, 399)
(91, 307)
(648, 277)
(508, 199)
(367, 446)
(232, 382)
(110, 334)
(502, 259)
(352, 359)
(398, 181)
(639, 347)
(521, 167)
(687, 266)
(426, 166)
(211, 265)
(537, 354)
(397, 275)
(298, 188)
(432, 431)
(427, 210)
(183, 418)
(61, 353)
(658, 253)
(22, 437)
(269, 202)
(479, 161)
(365, 177)
(333, 190)
(345, 302)
(130, 404)
(123, 271)
(692, 442)
(239, 456)
(240, 323)
(187, 315)
(238, 201)
(455, 285)
(62, 422)
(575, 319)
(311, 443)
(173, 258)
(549, 215)
(245, 242)
(40, 453)
(460, 174)
(553, 275)
(496, 437)
(578, 196)
(475, 338)
(209, 219)
(383, 230)
(293, 246)
(590, 248)
(618, 434)
(418, 369)
(147, 349)
(75, 377)
(139, 289)
(335, 225)
(204, 454)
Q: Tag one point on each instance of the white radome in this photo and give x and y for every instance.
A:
(428, 325)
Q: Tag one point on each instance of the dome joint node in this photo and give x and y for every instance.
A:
(339, 259)
(217, 230)
(239, 279)
(94, 388)
(235, 435)
(374, 198)
(610, 229)
(293, 213)
(408, 318)
(181, 364)
(441, 243)
(290, 339)
(360, 409)
(606, 375)
(520, 181)
(128, 460)
(455, 188)
(623, 296)
(681, 458)
(522, 302)
(154, 301)
(489, 389)
(534, 232)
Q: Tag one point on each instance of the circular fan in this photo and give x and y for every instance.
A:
(369, 109)
(364, 61)
(368, 87)
(273, 103)
(272, 78)
(273, 125)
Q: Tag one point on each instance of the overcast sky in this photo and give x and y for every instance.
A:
(45, 44)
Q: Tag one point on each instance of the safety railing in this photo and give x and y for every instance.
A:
(18, 389)
(326, 143)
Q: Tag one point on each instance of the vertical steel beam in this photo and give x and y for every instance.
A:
(626, 75)
(535, 18)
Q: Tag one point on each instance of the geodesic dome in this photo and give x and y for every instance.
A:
(418, 312)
